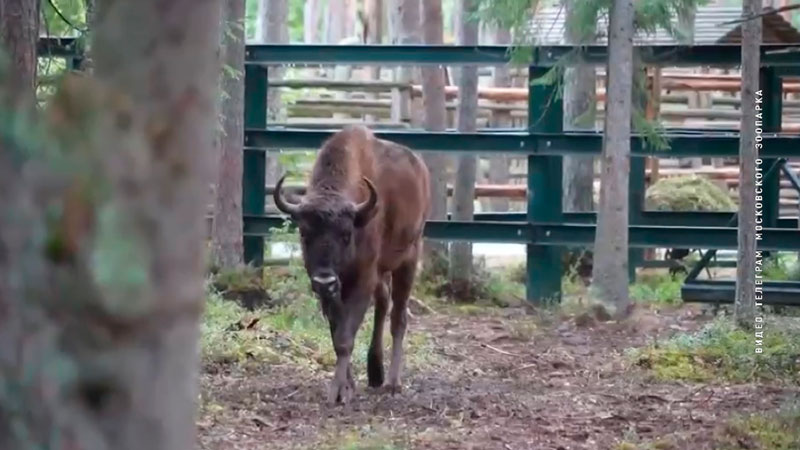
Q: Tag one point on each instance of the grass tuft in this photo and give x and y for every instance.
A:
(722, 351)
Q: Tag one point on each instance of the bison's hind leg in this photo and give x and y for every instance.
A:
(375, 355)
(402, 282)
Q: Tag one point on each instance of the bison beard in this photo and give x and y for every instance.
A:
(361, 223)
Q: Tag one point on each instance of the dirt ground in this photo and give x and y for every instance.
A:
(496, 382)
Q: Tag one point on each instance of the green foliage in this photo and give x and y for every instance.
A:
(774, 431)
(687, 193)
(295, 25)
(782, 267)
(54, 13)
(721, 350)
(495, 287)
(658, 289)
(294, 331)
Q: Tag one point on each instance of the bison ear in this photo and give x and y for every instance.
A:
(366, 211)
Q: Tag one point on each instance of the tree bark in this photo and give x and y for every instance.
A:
(101, 252)
(19, 33)
(276, 32)
(404, 21)
(433, 93)
(311, 16)
(464, 188)
(579, 103)
(498, 165)
(227, 227)
(610, 269)
(744, 308)
(86, 62)
(373, 35)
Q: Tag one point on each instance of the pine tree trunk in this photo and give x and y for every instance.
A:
(373, 35)
(433, 83)
(311, 15)
(464, 189)
(579, 103)
(744, 308)
(498, 165)
(227, 227)
(19, 32)
(610, 269)
(101, 268)
(86, 62)
(404, 21)
(276, 32)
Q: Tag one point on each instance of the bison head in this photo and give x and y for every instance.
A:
(327, 222)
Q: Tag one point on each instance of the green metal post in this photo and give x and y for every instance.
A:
(772, 106)
(545, 114)
(636, 186)
(254, 172)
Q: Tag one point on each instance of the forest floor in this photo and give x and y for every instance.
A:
(505, 378)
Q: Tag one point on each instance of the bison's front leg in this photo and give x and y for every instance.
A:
(344, 328)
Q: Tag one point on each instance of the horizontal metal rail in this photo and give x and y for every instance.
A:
(640, 236)
(572, 143)
(724, 292)
(543, 56)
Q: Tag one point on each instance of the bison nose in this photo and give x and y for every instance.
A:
(325, 282)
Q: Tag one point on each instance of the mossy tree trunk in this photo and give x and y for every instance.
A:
(101, 240)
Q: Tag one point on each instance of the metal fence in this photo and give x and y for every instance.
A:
(545, 228)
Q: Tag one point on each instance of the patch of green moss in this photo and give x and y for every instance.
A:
(777, 431)
(687, 193)
(720, 350)
(367, 437)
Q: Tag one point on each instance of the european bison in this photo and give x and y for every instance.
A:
(361, 222)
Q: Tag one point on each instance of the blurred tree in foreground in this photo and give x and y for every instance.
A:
(101, 235)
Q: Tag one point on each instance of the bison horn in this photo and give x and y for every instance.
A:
(282, 204)
(365, 209)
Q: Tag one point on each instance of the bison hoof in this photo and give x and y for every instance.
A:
(341, 392)
(393, 388)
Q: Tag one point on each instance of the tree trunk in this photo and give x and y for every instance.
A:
(311, 16)
(464, 189)
(498, 165)
(433, 94)
(744, 308)
(227, 226)
(404, 21)
(610, 269)
(19, 32)
(101, 267)
(373, 35)
(276, 32)
(339, 20)
(579, 114)
(86, 62)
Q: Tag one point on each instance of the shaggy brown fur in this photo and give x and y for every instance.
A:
(359, 243)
